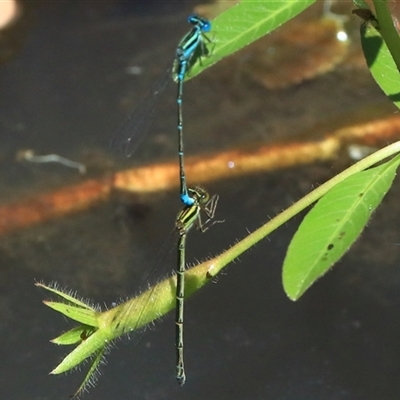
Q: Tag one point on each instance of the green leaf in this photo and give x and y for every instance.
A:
(333, 225)
(90, 377)
(244, 23)
(361, 4)
(69, 297)
(72, 307)
(85, 316)
(380, 63)
(91, 346)
(74, 335)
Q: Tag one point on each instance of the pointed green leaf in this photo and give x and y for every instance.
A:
(74, 335)
(71, 337)
(332, 226)
(83, 315)
(69, 297)
(93, 344)
(90, 377)
(243, 24)
(381, 63)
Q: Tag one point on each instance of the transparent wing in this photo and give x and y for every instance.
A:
(132, 132)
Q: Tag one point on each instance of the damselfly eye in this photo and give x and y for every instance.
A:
(198, 194)
(205, 197)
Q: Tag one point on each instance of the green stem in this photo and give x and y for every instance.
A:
(160, 299)
(387, 29)
(219, 262)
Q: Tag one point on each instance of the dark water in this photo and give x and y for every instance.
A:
(66, 91)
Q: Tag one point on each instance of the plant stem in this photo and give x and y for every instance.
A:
(219, 262)
(387, 29)
(160, 299)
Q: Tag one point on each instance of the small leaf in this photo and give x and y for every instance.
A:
(71, 337)
(69, 297)
(381, 63)
(90, 377)
(92, 345)
(244, 23)
(82, 315)
(333, 225)
(74, 335)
